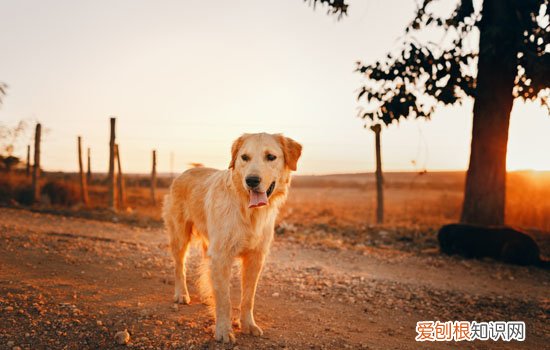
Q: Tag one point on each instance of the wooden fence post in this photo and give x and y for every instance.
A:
(28, 171)
(83, 187)
(379, 178)
(120, 180)
(36, 168)
(154, 179)
(111, 177)
(89, 172)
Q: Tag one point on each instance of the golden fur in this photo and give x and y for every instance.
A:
(212, 205)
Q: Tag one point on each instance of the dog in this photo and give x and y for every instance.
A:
(500, 243)
(233, 213)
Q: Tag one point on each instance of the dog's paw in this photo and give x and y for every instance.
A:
(181, 298)
(224, 336)
(251, 328)
(236, 323)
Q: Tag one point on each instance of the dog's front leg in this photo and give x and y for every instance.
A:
(252, 266)
(220, 274)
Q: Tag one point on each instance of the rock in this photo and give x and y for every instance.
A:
(122, 337)
(275, 295)
(314, 269)
(284, 227)
(10, 343)
(145, 313)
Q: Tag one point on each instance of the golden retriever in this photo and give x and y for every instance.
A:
(233, 212)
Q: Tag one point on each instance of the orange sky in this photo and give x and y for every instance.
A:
(189, 77)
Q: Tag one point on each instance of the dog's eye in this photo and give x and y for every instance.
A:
(271, 157)
(245, 157)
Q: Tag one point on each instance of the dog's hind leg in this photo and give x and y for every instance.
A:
(179, 243)
(251, 268)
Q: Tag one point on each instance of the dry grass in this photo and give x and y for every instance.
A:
(410, 199)
(15, 189)
(340, 210)
(356, 207)
(528, 200)
(348, 201)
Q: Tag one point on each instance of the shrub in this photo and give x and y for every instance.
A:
(6, 190)
(24, 195)
(14, 187)
(61, 193)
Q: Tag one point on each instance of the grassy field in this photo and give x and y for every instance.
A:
(349, 200)
(411, 199)
(340, 210)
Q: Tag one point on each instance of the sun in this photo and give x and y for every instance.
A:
(526, 163)
(529, 138)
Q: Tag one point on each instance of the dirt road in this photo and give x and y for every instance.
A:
(73, 283)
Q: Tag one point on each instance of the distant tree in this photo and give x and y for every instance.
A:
(3, 88)
(10, 136)
(9, 162)
(511, 60)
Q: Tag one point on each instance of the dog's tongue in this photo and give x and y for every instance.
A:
(257, 199)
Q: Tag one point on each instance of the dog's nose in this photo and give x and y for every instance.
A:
(253, 181)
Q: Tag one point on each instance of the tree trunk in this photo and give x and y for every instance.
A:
(500, 32)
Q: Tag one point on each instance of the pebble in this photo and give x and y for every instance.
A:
(122, 337)
(275, 295)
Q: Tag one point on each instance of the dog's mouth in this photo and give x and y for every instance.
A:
(270, 189)
(259, 199)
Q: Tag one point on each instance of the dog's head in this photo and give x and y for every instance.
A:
(261, 165)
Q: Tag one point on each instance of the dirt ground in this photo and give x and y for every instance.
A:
(73, 283)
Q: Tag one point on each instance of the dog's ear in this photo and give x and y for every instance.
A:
(235, 149)
(292, 151)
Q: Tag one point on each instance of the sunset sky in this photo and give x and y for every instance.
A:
(188, 77)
